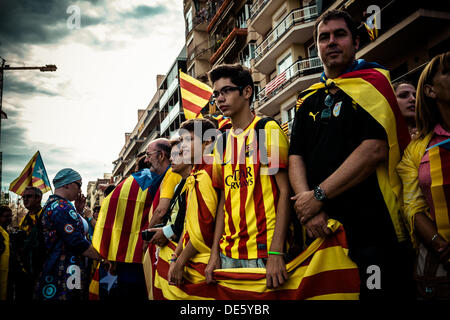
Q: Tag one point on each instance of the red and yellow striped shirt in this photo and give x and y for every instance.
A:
(247, 176)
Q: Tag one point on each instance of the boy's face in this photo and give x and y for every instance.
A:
(229, 98)
(192, 147)
(176, 159)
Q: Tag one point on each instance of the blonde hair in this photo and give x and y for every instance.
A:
(427, 112)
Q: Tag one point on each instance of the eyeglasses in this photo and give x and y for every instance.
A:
(78, 184)
(225, 91)
(148, 154)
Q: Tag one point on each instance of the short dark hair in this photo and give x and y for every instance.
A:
(333, 15)
(36, 190)
(238, 75)
(3, 209)
(206, 125)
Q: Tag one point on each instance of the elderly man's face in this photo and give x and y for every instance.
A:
(152, 158)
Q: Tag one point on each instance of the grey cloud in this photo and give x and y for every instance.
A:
(143, 11)
(14, 85)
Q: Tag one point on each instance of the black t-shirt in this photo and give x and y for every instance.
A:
(324, 144)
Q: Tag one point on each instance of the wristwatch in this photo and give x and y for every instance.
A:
(319, 194)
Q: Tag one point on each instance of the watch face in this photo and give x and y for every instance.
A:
(319, 194)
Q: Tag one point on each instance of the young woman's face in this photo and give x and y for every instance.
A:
(406, 99)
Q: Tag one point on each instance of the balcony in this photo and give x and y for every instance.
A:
(220, 15)
(168, 93)
(261, 13)
(232, 44)
(293, 80)
(170, 117)
(399, 29)
(296, 27)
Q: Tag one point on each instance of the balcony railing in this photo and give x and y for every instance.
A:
(165, 97)
(226, 44)
(257, 7)
(295, 17)
(299, 68)
(170, 117)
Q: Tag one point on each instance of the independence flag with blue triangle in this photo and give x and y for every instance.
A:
(34, 174)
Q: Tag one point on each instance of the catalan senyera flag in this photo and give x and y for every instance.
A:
(368, 84)
(440, 186)
(195, 95)
(123, 215)
(371, 27)
(34, 174)
(224, 123)
(323, 271)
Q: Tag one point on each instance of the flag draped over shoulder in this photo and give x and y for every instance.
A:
(195, 95)
(322, 271)
(34, 174)
(123, 215)
(440, 186)
(368, 84)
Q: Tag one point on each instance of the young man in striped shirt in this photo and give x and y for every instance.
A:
(250, 169)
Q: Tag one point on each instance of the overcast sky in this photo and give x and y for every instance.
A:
(77, 116)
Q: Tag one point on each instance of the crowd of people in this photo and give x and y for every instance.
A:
(363, 151)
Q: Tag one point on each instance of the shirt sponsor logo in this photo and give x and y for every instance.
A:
(238, 178)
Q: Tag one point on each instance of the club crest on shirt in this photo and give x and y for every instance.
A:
(337, 109)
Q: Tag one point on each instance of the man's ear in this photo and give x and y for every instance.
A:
(356, 43)
(429, 91)
(247, 92)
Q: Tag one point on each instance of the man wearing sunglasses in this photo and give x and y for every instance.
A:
(64, 274)
(339, 153)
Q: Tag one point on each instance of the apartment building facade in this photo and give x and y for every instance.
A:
(279, 47)
(274, 39)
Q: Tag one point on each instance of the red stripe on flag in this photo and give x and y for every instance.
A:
(26, 175)
(109, 220)
(144, 224)
(189, 106)
(276, 82)
(206, 221)
(194, 89)
(445, 167)
(382, 84)
(128, 221)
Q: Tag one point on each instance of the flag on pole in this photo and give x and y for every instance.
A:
(34, 175)
(195, 95)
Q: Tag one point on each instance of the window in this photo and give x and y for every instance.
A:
(246, 55)
(242, 16)
(284, 64)
(189, 20)
(312, 51)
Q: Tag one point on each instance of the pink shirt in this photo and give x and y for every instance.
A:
(424, 168)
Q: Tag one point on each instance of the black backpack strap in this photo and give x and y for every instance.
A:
(221, 143)
(261, 138)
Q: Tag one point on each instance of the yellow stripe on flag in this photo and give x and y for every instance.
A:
(438, 195)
